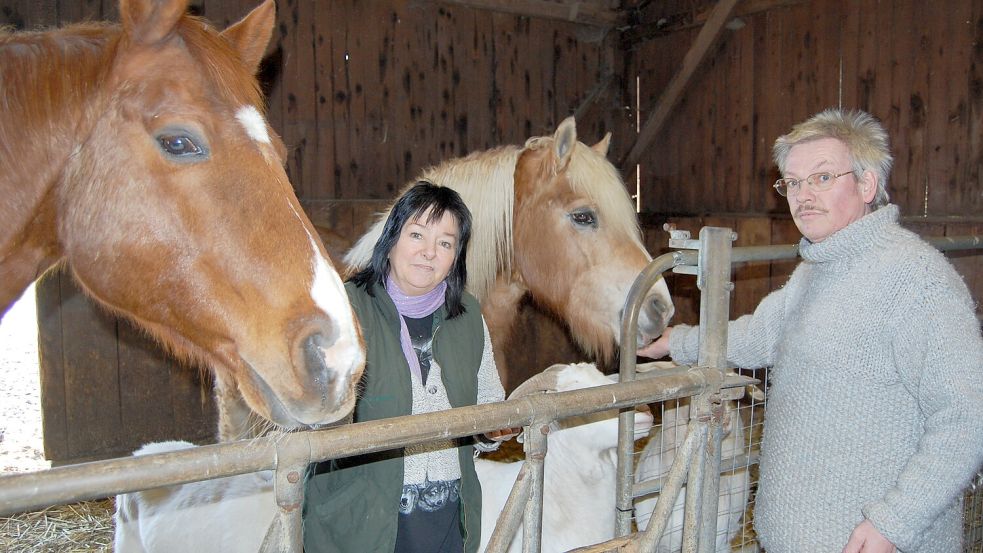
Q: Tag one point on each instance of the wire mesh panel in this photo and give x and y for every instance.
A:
(973, 516)
(738, 469)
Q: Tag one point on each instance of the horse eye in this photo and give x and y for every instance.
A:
(179, 145)
(585, 218)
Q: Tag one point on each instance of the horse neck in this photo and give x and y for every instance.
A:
(485, 181)
(49, 83)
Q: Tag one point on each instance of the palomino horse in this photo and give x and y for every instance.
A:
(139, 155)
(552, 219)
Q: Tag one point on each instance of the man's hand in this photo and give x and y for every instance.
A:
(657, 349)
(867, 539)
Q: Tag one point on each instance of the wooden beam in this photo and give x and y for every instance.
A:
(576, 11)
(671, 23)
(591, 97)
(670, 96)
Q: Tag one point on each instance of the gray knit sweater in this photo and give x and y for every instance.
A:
(876, 402)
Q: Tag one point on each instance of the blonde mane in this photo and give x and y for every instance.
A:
(485, 180)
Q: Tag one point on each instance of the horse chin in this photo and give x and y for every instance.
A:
(263, 400)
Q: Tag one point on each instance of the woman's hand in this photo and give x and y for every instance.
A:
(503, 435)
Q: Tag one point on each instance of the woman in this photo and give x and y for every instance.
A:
(427, 349)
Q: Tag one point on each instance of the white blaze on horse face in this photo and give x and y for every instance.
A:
(327, 290)
(253, 122)
(329, 294)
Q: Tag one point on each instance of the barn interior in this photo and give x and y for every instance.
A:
(366, 95)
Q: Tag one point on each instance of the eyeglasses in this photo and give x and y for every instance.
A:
(820, 182)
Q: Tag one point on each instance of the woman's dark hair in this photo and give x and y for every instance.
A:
(410, 207)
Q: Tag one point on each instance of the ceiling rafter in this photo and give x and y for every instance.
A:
(577, 11)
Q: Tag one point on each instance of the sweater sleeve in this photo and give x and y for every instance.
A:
(938, 350)
(751, 339)
(489, 386)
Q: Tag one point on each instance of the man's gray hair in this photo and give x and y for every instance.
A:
(863, 135)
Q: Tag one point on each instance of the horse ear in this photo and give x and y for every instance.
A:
(564, 140)
(602, 146)
(252, 34)
(150, 21)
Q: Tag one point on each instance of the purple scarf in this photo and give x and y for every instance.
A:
(415, 307)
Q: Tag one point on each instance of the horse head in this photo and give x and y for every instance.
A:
(577, 245)
(173, 208)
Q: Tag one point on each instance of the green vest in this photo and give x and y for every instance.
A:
(352, 505)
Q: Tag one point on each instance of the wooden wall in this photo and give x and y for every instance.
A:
(367, 94)
(911, 64)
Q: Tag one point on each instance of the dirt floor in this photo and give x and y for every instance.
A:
(65, 529)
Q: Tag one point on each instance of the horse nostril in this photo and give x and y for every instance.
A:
(315, 363)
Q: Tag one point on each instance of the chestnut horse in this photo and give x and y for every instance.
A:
(138, 154)
(553, 220)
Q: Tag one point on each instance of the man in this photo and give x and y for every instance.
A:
(875, 414)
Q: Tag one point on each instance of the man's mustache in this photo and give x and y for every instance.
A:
(808, 207)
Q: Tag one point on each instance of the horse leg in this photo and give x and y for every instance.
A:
(499, 309)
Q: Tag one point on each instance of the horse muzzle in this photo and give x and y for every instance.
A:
(653, 318)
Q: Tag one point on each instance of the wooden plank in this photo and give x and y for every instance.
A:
(969, 263)
(474, 72)
(752, 281)
(650, 77)
(91, 375)
(145, 410)
(686, 21)
(694, 57)
(738, 143)
(329, 183)
(918, 132)
(905, 133)
(972, 176)
(52, 366)
(297, 95)
(769, 90)
(587, 13)
(191, 398)
(938, 170)
(797, 65)
(783, 231)
(962, 196)
(857, 55)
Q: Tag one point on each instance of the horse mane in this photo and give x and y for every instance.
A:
(58, 65)
(44, 71)
(485, 180)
